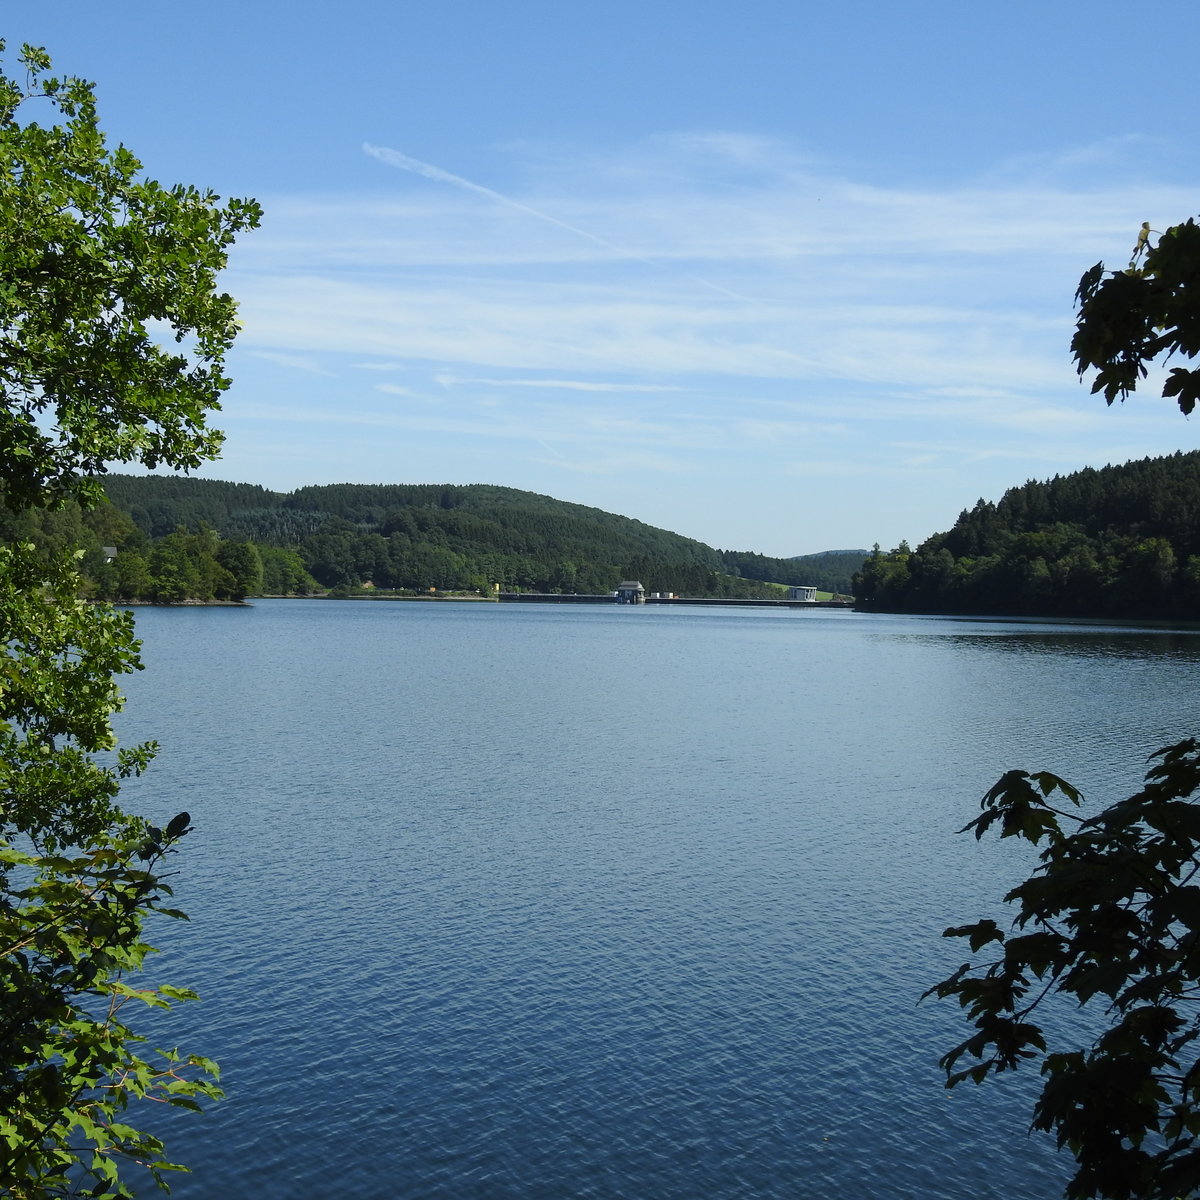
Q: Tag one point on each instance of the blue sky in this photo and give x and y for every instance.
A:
(780, 276)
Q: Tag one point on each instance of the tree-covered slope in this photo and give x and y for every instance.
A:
(1119, 541)
(446, 537)
(160, 504)
(831, 570)
(835, 568)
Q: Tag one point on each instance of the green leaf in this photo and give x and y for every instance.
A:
(95, 262)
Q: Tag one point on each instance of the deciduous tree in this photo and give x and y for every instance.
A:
(98, 269)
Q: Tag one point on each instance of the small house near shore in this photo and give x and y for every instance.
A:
(630, 591)
(807, 595)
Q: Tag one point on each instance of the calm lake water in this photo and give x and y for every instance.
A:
(500, 901)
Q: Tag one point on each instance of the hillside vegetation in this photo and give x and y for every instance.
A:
(175, 538)
(1121, 541)
(836, 568)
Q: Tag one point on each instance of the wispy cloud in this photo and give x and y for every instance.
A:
(564, 385)
(428, 171)
(295, 362)
(625, 463)
(396, 389)
(415, 166)
(567, 325)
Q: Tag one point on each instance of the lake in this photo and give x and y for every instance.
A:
(499, 901)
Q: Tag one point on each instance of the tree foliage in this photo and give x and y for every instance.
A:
(456, 537)
(95, 263)
(1111, 916)
(1117, 541)
(1131, 318)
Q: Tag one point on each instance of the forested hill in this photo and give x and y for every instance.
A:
(1121, 541)
(830, 570)
(447, 537)
(349, 533)
(837, 567)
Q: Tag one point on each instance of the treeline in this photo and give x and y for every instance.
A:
(1121, 542)
(166, 538)
(120, 562)
(830, 570)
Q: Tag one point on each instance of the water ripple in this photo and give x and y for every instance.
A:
(496, 902)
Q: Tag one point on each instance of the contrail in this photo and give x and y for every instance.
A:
(428, 171)
(414, 165)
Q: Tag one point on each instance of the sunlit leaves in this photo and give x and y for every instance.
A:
(112, 337)
(95, 264)
(70, 935)
(77, 880)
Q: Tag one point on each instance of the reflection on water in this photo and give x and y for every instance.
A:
(1138, 645)
(1090, 639)
(496, 901)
